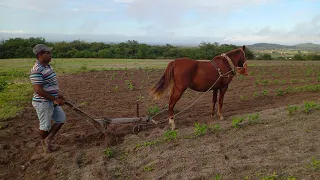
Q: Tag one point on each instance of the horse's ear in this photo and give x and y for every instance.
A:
(243, 47)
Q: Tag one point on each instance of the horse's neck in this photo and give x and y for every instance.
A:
(234, 57)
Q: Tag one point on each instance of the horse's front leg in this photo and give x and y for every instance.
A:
(222, 92)
(214, 100)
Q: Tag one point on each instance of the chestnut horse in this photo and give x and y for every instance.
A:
(201, 76)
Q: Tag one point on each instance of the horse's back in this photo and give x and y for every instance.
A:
(186, 65)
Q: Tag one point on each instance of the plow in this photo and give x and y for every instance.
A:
(138, 123)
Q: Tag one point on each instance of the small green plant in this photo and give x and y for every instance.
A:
(293, 81)
(130, 85)
(3, 84)
(140, 97)
(264, 92)
(113, 76)
(215, 127)
(242, 97)
(153, 110)
(291, 178)
(124, 156)
(271, 177)
(108, 152)
(217, 177)
(200, 130)
(83, 68)
(240, 77)
(309, 106)
(148, 168)
(170, 135)
(292, 109)
(314, 164)
(289, 89)
(265, 82)
(116, 88)
(253, 117)
(279, 92)
(148, 143)
(275, 81)
(236, 121)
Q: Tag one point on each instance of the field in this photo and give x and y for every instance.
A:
(270, 129)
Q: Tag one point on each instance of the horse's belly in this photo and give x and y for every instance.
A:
(199, 87)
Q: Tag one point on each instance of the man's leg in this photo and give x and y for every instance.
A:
(59, 118)
(43, 134)
(53, 131)
(44, 112)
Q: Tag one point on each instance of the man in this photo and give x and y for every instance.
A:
(46, 99)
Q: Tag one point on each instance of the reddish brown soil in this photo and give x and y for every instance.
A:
(278, 143)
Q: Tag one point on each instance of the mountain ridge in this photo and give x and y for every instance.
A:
(271, 46)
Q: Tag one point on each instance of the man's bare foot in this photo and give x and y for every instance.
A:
(48, 147)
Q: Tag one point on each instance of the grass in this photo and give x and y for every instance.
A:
(14, 96)
(74, 65)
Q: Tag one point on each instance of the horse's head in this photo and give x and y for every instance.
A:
(242, 63)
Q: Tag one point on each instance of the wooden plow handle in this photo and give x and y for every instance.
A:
(89, 119)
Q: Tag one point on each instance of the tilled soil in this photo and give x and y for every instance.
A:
(276, 143)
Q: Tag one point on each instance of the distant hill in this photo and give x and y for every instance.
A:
(269, 46)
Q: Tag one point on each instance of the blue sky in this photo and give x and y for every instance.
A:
(164, 21)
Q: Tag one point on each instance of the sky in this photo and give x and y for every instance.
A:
(238, 22)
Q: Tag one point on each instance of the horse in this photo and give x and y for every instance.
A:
(201, 76)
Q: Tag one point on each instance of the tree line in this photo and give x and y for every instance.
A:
(131, 49)
(22, 48)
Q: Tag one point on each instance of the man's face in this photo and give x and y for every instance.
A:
(45, 57)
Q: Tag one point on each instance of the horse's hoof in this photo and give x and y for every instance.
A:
(221, 118)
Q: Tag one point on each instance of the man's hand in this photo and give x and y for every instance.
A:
(58, 101)
(61, 97)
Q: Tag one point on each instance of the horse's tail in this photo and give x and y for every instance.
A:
(166, 81)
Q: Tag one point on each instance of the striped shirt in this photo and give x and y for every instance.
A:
(45, 76)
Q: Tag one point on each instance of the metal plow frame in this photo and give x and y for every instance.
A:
(102, 124)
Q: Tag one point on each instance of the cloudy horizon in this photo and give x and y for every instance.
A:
(166, 21)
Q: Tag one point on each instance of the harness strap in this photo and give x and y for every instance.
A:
(230, 63)
(216, 66)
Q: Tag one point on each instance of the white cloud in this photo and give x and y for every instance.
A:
(33, 5)
(199, 20)
(12, 31)
(124, 1)
(95, 9)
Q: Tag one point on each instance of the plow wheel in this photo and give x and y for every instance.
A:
(137, 128)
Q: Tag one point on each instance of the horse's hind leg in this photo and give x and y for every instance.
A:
(221, 96)
(214, 100)
(175, 96)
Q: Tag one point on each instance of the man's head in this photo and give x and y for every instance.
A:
(43, 53)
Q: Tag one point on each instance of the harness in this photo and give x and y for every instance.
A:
(233, 69)
(227, 74)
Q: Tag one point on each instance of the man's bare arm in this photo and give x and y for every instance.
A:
(39, 90)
